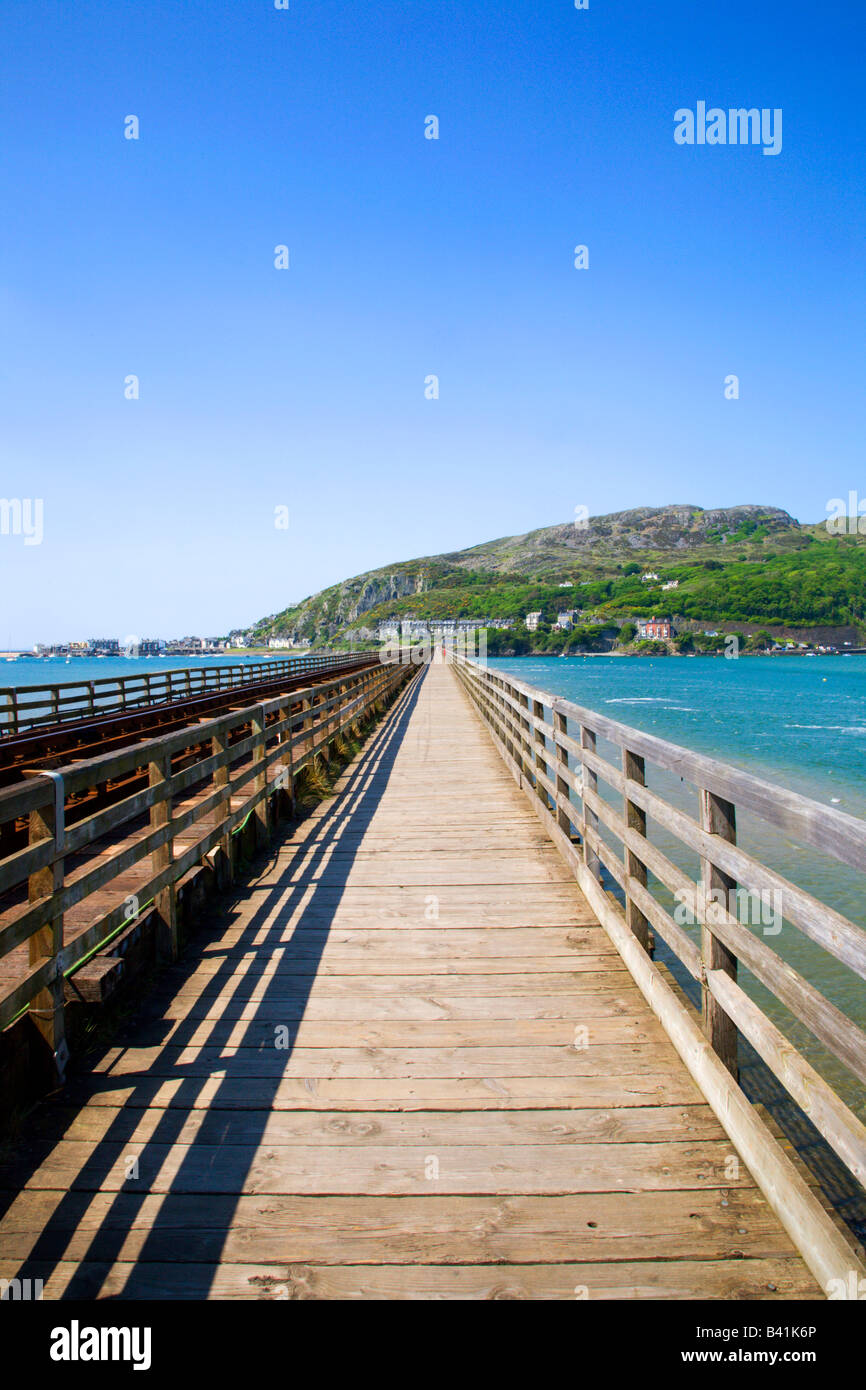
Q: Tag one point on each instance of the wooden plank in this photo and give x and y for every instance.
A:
(417, 940)
(377, 991)
(645, 1124)
(472, 868)
(773, 1279)
(187, 1228)
(284, 963)
(233, 1004)
(373, 1093)
(604, 1059)
(263, 1034)
(378, 1169)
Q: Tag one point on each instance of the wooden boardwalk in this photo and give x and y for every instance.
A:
(407, 1062)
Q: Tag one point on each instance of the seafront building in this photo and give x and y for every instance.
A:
(394, 629)
(655, 628)
(131, 646)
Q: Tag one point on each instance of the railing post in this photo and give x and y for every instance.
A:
(159, 773)
(539, 752)
(359, 689)
(306, 729)
(287, 761)
(324, 746)
(634, 768)
(560, 725)
(260, 781)
(46, 1007)
(718, 817)
(590, 819)
(222, 780)
(338, 721)
(508, 718)
(525, 757)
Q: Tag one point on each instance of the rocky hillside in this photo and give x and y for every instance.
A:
(748, 562)
(624, 536)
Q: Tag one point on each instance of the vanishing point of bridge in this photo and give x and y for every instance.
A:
(406, 1058)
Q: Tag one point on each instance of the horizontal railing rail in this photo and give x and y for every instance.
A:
(26, 707)
(551, 745)
(217, 759)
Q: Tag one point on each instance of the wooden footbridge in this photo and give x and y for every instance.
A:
(422, 1052)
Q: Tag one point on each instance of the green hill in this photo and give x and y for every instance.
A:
(745, 565)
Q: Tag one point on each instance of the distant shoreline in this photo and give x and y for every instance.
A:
(677, 656)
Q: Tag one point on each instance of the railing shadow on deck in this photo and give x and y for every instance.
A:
(233, 1130)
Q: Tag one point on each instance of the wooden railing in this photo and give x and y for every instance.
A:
(191, 774)
(29, 706)
(551, 746)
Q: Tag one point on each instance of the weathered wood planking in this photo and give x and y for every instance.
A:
(475, 1101)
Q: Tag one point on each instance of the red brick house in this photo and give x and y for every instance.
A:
(655, 629)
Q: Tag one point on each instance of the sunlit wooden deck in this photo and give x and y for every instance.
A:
(408, 1063)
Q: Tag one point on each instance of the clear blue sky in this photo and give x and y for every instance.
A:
(409, 257)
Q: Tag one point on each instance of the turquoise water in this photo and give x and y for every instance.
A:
(795, 721)
(56, 670)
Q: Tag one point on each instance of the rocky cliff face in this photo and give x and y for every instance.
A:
(325, 613)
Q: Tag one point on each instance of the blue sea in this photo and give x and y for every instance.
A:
(56, 670)
(797, 720)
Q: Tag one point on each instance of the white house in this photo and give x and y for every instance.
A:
(532, 621)
(648, 577)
